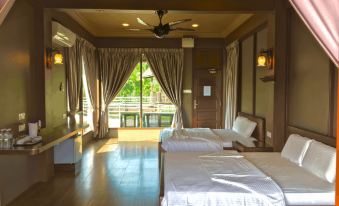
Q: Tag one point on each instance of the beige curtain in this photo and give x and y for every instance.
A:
(91, 73)
(73, 64)
(231, 83)
(115, 67)
(167, 66)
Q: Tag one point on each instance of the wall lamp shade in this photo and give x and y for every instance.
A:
(58, 58)
(265, 59)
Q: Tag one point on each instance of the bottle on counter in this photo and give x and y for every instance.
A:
(10, 138)
(7, 138)
(2, 137)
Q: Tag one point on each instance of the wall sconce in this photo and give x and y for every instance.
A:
(53, 56)
(58, 58)
(265, 58)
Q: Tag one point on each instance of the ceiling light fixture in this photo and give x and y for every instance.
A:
(195, 25)
(125, 24)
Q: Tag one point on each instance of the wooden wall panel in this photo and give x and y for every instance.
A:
(264, 90)
(247, 46)
(310, 76)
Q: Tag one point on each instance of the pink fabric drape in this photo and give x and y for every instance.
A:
(322, 18)
(5, 7)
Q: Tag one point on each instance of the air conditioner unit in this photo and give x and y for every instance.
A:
(62, 36)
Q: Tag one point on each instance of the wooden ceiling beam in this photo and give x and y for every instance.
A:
(232, 6)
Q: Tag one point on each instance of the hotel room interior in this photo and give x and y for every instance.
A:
(172, 103)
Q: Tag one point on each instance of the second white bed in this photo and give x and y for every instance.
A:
(188, 178)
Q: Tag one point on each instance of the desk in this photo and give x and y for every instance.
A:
(50, 138)
(27, 165)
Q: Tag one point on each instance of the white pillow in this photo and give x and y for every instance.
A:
(237, 122)
(295, 148)
(244, 126)
(320, 160)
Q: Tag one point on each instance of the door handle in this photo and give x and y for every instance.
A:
(195, 104)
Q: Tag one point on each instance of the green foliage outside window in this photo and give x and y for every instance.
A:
(132, 86)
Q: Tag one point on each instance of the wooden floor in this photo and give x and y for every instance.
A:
(111, 174)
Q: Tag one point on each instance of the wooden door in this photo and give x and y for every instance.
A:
(207, 98)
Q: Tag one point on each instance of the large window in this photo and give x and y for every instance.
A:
(141, 102)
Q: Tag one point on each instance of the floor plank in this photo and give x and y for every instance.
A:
(111, 174)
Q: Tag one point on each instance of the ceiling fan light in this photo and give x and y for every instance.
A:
(125, 24)
(195, 25)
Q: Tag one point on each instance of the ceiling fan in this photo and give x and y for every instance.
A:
(162, 29)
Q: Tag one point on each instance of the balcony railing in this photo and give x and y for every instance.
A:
(157, 111)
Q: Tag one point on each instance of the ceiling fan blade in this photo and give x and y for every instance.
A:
(179, 22)
(182, 29)
(139, 29)
(140, 21)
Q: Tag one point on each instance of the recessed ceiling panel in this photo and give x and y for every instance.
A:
(108, 23)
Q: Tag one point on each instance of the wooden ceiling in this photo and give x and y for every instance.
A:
(108, 23)
(240, 6)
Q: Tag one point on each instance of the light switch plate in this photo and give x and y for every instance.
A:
(269, 134)
(22, 127)
(64, 116)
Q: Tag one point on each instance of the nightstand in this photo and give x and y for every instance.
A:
(259, 147)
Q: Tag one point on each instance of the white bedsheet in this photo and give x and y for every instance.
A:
(195, 179)
(192, 139)
(200, 139)
(299, 186)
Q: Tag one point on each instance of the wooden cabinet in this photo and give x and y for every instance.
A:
(207, 58)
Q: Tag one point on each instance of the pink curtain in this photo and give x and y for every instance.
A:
(322, 18)
(5, 7)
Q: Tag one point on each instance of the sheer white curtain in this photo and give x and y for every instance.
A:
(231, 83)
(322, 18)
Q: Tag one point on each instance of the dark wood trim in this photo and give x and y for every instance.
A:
(239, 78)
(288, 60)
(254, 31)
(280, 85)
(259, 147)
(141, 85)
(332, 95)
(249, 26)
(234, 6)
(254, 77)
(329, 140)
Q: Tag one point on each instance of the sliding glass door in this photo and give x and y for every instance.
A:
(141, 102)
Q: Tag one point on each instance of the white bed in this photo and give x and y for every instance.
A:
(188, 180)
(201, 139)
(300, 187)
(205, 139)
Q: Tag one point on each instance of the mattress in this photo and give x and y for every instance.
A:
(300, 187)
(198, 179)
(200, 139)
